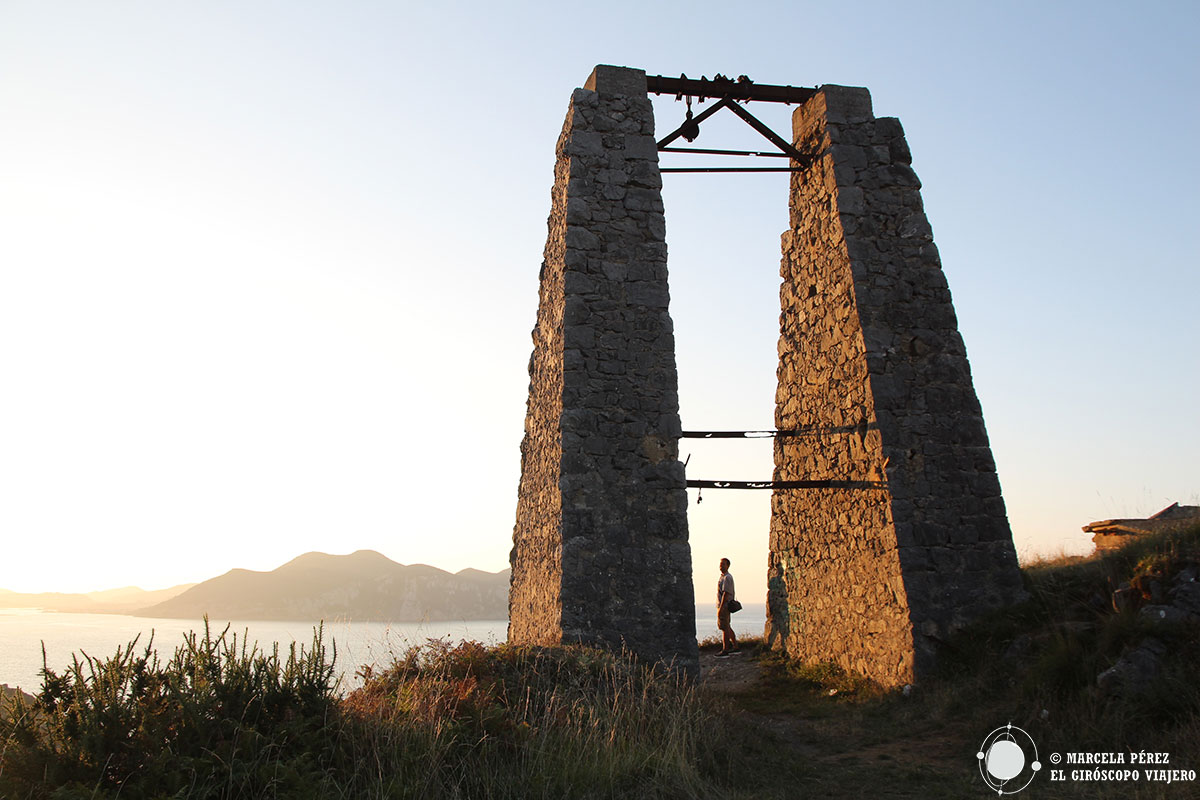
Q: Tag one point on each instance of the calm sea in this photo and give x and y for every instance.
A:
(24, 632)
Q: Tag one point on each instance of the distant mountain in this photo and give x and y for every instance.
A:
(112, 601)
(363, 586)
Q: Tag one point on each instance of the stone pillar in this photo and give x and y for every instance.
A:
(600, 547)
(871, 358)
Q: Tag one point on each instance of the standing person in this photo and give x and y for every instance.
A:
(725, 596)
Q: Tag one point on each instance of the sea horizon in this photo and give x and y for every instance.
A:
(65, 635)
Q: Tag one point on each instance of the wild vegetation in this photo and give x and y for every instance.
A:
(221, 719)
(1035, 666)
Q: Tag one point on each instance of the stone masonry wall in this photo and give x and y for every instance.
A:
(600, 547)
(870, 357)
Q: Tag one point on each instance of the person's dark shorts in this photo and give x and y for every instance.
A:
(723, 619)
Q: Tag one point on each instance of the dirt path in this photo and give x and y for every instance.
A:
(847, 754)
(740, 675)
(728, 675)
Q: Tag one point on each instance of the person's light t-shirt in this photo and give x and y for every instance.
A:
(725, 584)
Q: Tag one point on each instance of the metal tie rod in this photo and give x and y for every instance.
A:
(713, 152)
(861, 427)
(731, 169)
(810, 484)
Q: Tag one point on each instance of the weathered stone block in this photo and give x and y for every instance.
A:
(846, 104)
(622, 82)
(638, 146)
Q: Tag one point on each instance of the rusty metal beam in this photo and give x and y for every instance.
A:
(813, 430)
(720, 86)
(702, 484)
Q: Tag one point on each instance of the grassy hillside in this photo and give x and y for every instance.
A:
(219, 719)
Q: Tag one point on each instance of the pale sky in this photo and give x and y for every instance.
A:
(268, 269)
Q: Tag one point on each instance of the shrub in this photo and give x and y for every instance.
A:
(219, 719)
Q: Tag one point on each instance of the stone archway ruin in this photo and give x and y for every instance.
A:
(888, 530)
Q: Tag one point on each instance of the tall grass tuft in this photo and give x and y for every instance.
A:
(219, 719)
(529, 722)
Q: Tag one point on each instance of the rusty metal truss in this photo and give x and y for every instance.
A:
(730, 94)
